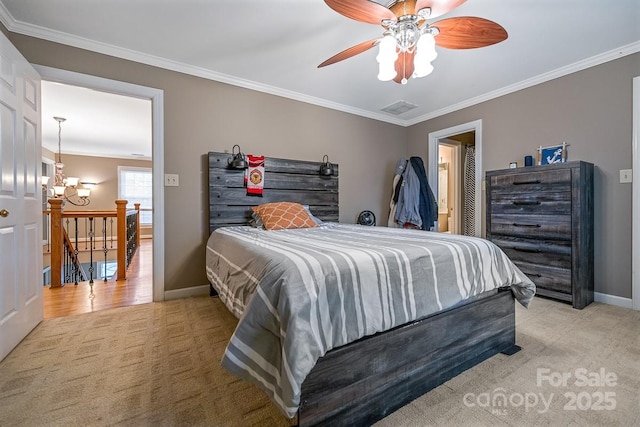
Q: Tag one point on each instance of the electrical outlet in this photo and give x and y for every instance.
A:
(625, 175)
(171, 180)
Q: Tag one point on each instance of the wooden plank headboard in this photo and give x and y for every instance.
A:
(285, 180)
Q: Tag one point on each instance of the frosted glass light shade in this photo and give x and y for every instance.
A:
(72, 181)
(387, 55)
(421, 69)
(88, 185)
(83, 192)
(386, 71)
(387, 50)
(45, 181)
(427, 47)
(58, 190)
(426, 52)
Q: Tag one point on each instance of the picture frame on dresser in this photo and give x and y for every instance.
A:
(542, 218)
(552, 154)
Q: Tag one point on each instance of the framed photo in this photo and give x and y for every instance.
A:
(552, 154)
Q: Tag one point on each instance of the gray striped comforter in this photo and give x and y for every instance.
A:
(300, 293)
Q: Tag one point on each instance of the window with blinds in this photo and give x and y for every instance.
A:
(135, 186)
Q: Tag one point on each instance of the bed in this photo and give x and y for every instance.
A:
(336, 328)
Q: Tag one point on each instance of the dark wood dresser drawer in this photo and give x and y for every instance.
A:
(554, 227)
(545, 203)
(532, 182)
(549, 253)
(546, 277)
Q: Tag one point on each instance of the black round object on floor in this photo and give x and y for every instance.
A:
(366, 218)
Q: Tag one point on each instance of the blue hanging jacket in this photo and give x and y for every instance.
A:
(428, 206)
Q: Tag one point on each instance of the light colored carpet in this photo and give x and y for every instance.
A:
(556, 340)
(158, 364)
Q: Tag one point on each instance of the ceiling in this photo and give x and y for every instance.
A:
(274, 46)
(97, 124)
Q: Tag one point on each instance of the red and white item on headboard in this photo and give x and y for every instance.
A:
(254, 176)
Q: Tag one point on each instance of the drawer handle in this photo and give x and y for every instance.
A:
(537, 251)
(525, 202)
(535, 181)
(515, 224)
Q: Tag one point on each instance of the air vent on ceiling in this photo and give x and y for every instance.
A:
(399, 107)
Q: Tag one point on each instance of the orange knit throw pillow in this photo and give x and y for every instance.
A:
(282, 215)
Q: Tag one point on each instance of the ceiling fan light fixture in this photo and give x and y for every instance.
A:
(407, 34)
(387, 55)
(386, 71)
(426, 52)
(427, 47)
(424, 13)
(387, 51)
(404, 23)
(421, 69)
(386, 23)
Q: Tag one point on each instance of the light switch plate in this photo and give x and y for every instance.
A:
(171, 180)
(626, 175)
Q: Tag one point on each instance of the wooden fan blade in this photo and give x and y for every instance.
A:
(348, 53)
(361, 10)
(438, 7)
(468, 32)
(404, 66)
(402, 8)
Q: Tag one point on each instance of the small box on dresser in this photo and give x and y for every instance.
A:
(542, 218)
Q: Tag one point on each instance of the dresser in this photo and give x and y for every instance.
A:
(542, 218)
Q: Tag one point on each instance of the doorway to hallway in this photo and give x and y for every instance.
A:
(157, 112)
(455, 171)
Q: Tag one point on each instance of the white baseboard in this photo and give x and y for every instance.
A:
(194, 291)
(613, 300)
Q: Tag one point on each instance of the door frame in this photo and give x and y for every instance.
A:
(434, 138)
(635, 198)
(157, 117)
(455, 166)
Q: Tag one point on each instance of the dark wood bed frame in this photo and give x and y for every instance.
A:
(362, 382)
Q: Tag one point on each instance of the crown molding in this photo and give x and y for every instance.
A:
(156, 61)
(5, 17)
(79, 42)
(611, 55)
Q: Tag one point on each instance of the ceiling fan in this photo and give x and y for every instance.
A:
(407, 45)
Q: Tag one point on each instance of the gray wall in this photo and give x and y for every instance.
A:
(592, 111)
(202, 115)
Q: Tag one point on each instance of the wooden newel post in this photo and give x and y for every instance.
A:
(56, 242)
(137, 206)
(121, 209)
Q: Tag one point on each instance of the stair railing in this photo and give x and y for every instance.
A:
(65, 264)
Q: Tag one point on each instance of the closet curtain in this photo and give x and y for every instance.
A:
(469, 214)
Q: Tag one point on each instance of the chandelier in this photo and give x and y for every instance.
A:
(64, 187)
(406, 35)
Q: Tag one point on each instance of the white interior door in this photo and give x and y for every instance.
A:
(20, 198)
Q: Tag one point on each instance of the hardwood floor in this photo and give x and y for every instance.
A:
(136, 289)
